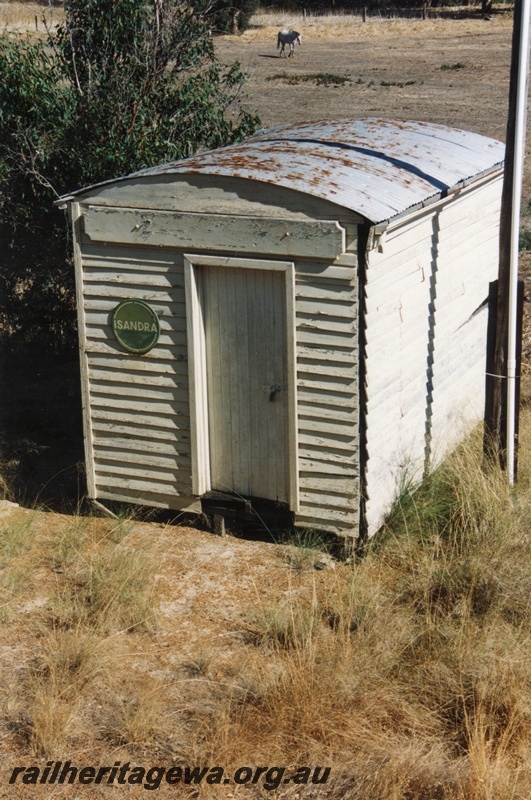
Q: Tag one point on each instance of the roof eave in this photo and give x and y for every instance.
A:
(438, 196)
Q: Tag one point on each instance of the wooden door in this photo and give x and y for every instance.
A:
(244, 316)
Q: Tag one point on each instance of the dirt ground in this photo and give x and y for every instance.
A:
(407, 56)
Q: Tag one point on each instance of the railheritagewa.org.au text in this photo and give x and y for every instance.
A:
(64, 772)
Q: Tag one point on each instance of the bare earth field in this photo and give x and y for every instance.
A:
(156, 644)
(397, 69)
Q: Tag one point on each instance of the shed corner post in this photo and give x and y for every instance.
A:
(199, 428)
(76, 216)
(367, 239)
(291, 334)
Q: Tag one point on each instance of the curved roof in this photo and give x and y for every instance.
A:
(376, 167)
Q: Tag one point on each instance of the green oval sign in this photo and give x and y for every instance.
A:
(135, 326)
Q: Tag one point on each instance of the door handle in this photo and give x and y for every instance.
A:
(273, 389)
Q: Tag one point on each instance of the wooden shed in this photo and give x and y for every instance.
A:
(300, 318)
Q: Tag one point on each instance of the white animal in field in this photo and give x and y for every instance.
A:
(288, 37)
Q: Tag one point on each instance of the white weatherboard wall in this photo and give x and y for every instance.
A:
(137, 415)
(425, 327)
(469, 242)
(327, 395)
(147, 417)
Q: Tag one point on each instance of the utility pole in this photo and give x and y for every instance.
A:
(501, 423)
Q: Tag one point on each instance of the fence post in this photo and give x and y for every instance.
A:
(489, 430)
(519, 345)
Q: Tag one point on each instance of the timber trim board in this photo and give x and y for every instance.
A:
(318, 239)
(197, 383)
(198, 369)
(88, 438)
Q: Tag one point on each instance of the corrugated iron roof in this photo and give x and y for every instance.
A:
(378, 168)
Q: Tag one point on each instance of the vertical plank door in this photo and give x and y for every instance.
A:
(244, 312)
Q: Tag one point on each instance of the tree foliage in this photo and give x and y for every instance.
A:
(122, 84)
(234, 17)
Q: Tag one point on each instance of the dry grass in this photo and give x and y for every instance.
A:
(351, 28)
(412, 670)
(408, 672)
(137, 715)
(94, 587)
(29, 17)
(52, 689)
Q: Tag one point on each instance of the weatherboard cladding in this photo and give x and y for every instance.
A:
(138, 412)
(425, 327)
(327, 396)
(138, 409)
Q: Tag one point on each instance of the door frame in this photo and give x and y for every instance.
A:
(197, 367)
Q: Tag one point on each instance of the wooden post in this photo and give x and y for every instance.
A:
(489, 379)
(496, 423)
(519, 336)
(234, 21)
(424, 11)
(219, 524)
(364, 14)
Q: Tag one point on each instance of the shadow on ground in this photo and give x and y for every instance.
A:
(42, 455)
(41, 430)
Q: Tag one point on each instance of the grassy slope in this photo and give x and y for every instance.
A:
(408, 672)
